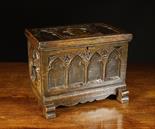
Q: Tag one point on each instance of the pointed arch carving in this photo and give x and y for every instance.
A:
(113, 65)
(95, 67)
(76, 70)
(56, 76)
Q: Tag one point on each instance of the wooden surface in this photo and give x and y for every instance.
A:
(19, 109)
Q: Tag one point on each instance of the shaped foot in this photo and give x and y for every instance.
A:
(49, 111)
(122, 95)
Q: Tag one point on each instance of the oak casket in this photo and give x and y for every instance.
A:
(77, 64)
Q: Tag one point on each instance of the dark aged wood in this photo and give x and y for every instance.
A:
(19, 110)
(77, 64)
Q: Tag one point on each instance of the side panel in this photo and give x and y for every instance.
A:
(34, 59)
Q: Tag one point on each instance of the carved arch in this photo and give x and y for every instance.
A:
(76, 70)
(95, 67)
(56, 76)
(113, 65)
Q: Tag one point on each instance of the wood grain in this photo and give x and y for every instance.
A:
(19, 109)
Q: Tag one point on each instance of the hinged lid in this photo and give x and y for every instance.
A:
(52, 36)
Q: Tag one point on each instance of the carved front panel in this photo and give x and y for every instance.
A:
(84, 67)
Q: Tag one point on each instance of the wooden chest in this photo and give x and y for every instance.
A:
(77, 64)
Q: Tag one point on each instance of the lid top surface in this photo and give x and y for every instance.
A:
(73, 32)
